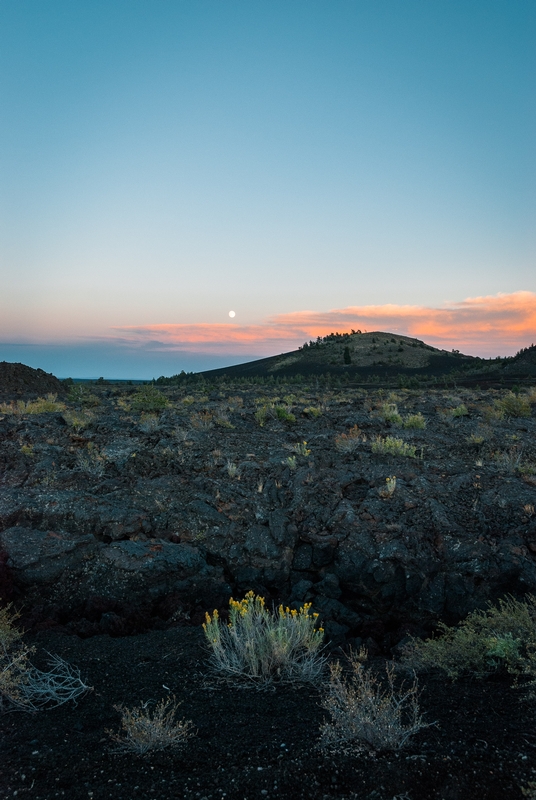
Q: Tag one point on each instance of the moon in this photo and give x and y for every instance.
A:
(232, 314)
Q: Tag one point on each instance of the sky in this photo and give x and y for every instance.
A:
(310, 165)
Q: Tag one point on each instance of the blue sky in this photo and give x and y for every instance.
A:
(165, 162)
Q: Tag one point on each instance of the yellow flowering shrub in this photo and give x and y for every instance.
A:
(262, 646)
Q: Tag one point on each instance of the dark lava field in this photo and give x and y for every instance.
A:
(127, 513)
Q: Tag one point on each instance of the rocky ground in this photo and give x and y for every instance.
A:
(125, 516)
(250, 744)
(114, 519)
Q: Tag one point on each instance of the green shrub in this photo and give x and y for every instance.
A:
(513, 405)
(393, 447)
(82, 396)
(367, 713)
(459, 411)
(263, 647)
(262, 414)
(414, 421)
(283, 414)
(389, 413)
(312, 411)
(148, 398)
(500, 637)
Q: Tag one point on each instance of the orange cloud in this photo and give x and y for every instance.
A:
(485, 326)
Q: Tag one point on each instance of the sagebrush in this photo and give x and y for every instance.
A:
(262, 647)
(368, 712)
(144, 730)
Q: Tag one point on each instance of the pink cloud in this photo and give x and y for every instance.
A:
(485, 326)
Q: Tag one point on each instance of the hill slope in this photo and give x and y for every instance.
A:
(358, 355)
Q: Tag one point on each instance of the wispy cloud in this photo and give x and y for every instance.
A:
(486, 326)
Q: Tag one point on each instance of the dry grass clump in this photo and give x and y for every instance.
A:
(43, 405)
(25, 686)
(500, 637)
(143, 731)
(509, 460)
(348, 442)
(262, 647)
(202, 420)
(368, 713)
(393, 447)
(149, 423)
(222, 420)
(78, 420)
(232, 469)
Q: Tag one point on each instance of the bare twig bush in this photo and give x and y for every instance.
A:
(368, 713)
(54, 687)
(26, 686)
(91, 461)
(261, 647)
(144, 731)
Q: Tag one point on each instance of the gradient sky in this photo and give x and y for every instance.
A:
(313, 166)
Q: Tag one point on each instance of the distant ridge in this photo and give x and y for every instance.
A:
(376, 357)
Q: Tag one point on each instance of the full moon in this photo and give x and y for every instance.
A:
(232, 314)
